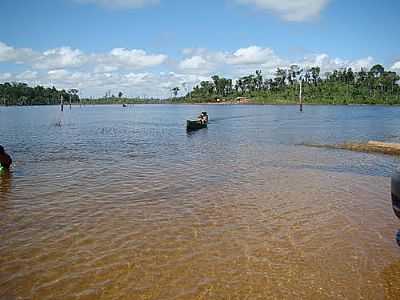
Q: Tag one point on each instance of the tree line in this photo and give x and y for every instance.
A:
(21, 94)
(342, 86)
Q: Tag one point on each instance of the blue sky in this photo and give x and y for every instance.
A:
(144, 47)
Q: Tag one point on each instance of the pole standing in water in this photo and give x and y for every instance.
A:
(301, 95)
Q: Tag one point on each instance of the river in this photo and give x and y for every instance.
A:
(105, 202)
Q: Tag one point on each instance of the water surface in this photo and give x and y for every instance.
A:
(111, 203)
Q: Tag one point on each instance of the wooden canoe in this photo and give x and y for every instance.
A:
(194, 125)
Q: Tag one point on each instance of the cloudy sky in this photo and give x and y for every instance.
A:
(146, 47)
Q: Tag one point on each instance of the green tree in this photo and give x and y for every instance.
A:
(377, 70)
(175, 91)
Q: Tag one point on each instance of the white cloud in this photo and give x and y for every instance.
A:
(60, 58)
(396, 66)
(363, 63)
(27, 75)
(236, 63)
(105, 69)
(290, 10)
(121, 4)
(10, 54)
(66, 57)
(194, 62)
(126, 58)
(5, 76)
(328, 64)
(7, 53)
(52, 58)
(200, 57)
(197, 64)
(57, 74)
(252, 55)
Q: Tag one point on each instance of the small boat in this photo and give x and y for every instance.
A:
(197, 124)
(124, 105)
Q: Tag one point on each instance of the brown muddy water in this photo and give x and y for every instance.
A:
(124, 204)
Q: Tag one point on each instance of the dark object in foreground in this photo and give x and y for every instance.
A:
(5, 159)
(396, 194)
(200, 123)
(398, 238)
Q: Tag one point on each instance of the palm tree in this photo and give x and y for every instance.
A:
(259, 80)
(175, 91)
(280, 77)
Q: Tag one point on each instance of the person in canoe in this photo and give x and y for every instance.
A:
(200, 118)
(203, 118)
(5, 159)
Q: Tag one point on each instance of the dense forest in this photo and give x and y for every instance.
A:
(21, 94)
(344, 86)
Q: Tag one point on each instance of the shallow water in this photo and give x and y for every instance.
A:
(112, 203)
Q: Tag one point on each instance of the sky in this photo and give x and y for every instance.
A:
(143, 48)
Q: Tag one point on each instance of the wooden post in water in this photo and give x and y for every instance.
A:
(301, 95)
(70, 103)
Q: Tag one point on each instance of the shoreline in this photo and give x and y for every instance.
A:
(210, 103)
(387, 148)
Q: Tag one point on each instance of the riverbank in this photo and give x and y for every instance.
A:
(208, 103)
(243, 100)
(251, 99)
(370, 147)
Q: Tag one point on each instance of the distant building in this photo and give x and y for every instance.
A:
(242, 99)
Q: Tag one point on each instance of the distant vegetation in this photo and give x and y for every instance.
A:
(18, 94)
(374, 86)
(21, 94)
(344, 86)
(109, 98)
(116, 100)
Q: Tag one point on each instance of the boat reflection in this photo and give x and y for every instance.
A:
(5, 182)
